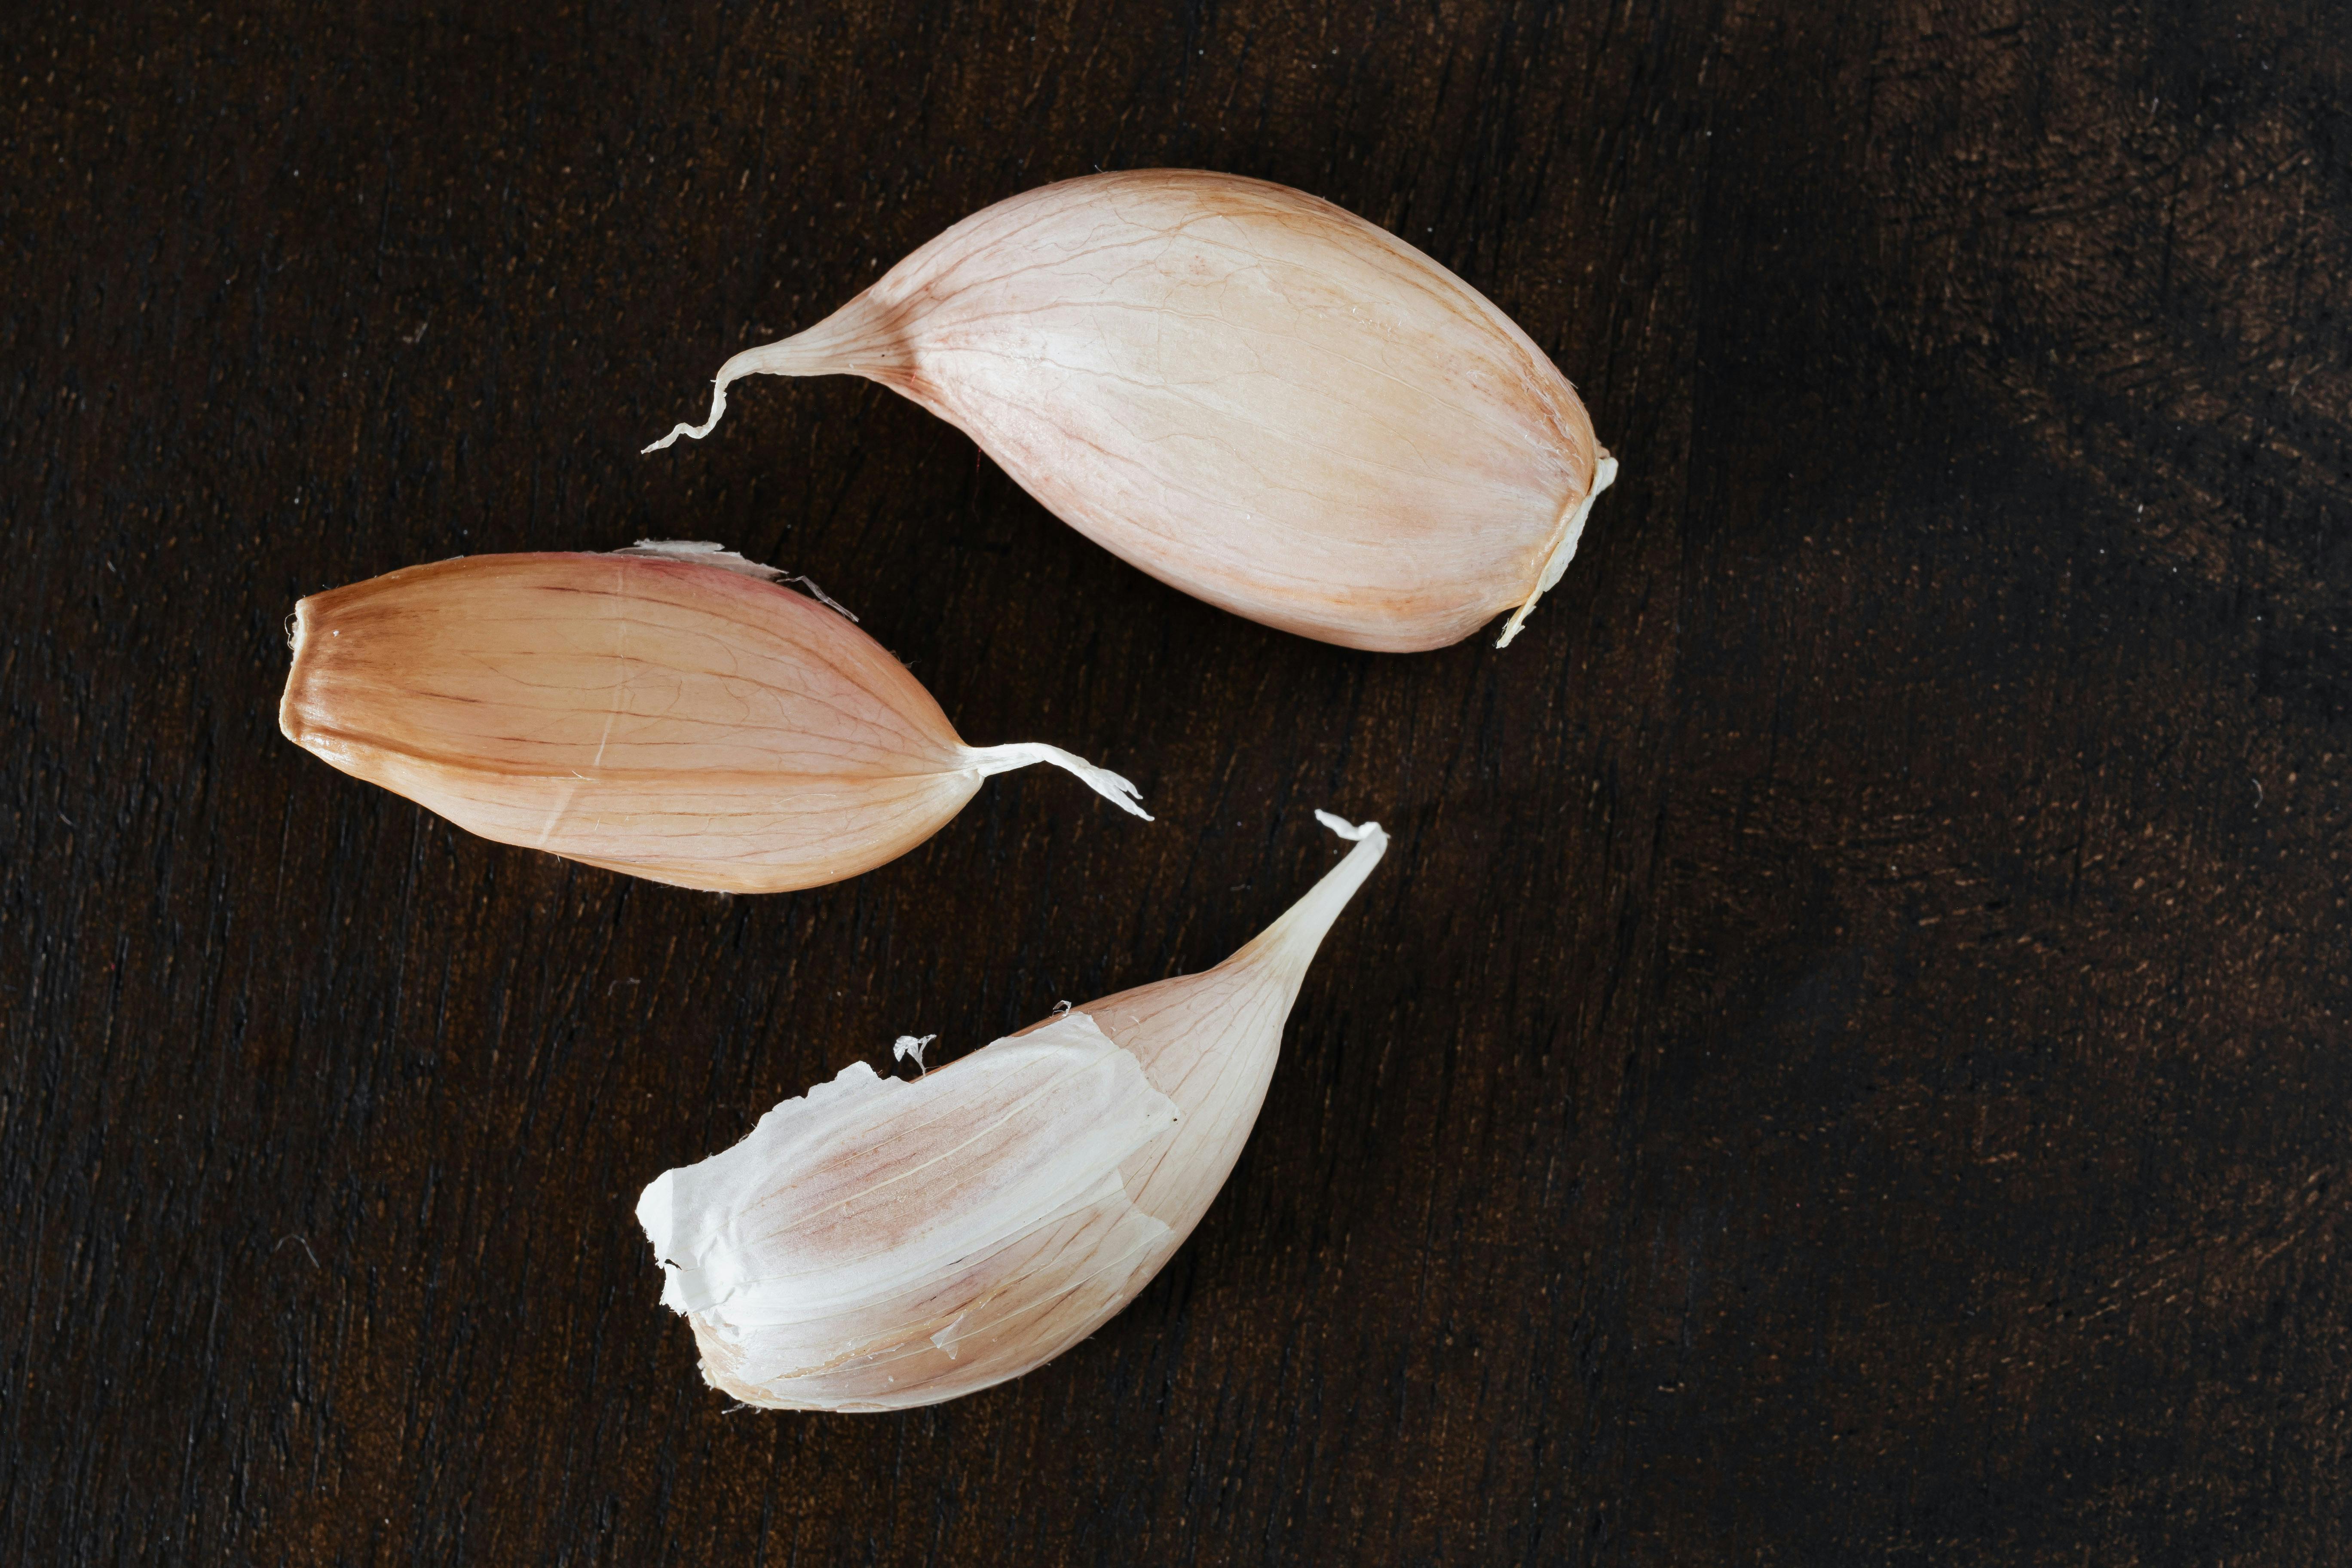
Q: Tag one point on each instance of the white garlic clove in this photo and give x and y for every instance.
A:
(667, 711)
(1253, 395)
(878, 1235)
(878, 1244)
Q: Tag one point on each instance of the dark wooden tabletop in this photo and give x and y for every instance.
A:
(1847, 1059)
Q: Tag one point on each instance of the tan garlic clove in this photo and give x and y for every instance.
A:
(669, 711)
(1252, 394)
(878, 1244)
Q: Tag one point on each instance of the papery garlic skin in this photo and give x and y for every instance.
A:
(878, 1239)
(880, 1244)
(669, 712)
(1256, 396)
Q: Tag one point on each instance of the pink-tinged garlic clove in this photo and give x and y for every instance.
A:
(1253, 395)
(670, 712)
(878, 1244)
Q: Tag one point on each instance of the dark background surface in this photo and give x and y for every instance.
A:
(1846, 1061)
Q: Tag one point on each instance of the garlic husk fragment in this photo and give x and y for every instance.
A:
(1256, 396)
(668, 711)
(878, 1244)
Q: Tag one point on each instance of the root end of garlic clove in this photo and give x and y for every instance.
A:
(1604, 474)
(289, 708)
(987, 760)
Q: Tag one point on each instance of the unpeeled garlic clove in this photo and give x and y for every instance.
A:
(669, 711)
(879, 1242)
(1253, 395)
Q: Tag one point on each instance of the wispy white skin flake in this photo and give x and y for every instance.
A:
(703, 552)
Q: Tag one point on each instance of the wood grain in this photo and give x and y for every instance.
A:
(1846, 1061)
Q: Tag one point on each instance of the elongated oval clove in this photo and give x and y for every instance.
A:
(1253, 395)
(878, 1244)
(669, 711)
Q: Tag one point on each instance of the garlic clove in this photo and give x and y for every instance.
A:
(1211, 1040)
(879, 1237)
(669, 711)
(1256, 396)
(878, 1244)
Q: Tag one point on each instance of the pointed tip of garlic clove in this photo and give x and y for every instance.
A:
(816, 352)
(1356, 832)
(1111, 786)
(1212, 1039)
(726, 373)
(1298, 931)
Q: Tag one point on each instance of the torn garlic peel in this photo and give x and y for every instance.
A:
(880, 1244)
(668, 712)
(1256, 396)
